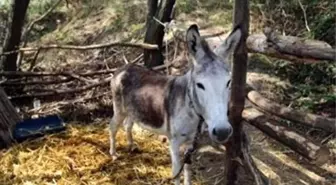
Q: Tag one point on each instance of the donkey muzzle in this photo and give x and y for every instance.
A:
(221, 134)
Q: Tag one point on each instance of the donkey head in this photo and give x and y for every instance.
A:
(210, 82)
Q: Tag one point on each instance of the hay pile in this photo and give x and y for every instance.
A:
(80, 156)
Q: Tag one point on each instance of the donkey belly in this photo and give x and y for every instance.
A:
(148, 117)
(160, 131)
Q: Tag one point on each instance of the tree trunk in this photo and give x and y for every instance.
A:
(8, 119)
(303, 118)
(13, 38)
(287, 136)
(239, 69)
(155, 31)
(152, 8)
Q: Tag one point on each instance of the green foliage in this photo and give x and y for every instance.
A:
(186, 6)
(287, 16)
(38, 7)
(312, 84)
(308, 74)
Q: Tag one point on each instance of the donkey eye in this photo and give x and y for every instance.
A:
(199, 85)
(228, 83)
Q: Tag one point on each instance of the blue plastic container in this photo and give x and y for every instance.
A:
(33, 128)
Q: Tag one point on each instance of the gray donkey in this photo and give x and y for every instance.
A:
(174, 105)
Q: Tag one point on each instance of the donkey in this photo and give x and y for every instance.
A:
(174, 105)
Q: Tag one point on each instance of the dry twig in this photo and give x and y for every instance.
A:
(304, 15)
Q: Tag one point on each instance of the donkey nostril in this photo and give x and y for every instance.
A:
(214, 132)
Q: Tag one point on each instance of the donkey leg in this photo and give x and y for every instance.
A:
(187, 169)
(175, 158)
(129, 126)
(115, 124)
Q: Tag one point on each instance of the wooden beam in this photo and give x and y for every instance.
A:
(287, 136)
(307, 119)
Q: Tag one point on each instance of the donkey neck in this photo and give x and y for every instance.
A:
(181, 94)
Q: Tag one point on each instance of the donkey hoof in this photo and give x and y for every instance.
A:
(133, 149)
(114, 157)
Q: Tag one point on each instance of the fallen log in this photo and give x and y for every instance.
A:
(290, 48)
(300, 47)
(307, 119)
(257, 43)
(289, 137)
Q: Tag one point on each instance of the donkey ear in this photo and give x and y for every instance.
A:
(194, 41)
(230, 43)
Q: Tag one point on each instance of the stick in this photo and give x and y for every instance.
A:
(304, 15)
(258, 176)
(33, 62)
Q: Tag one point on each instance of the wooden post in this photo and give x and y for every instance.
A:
(239, 68)
(8, 118)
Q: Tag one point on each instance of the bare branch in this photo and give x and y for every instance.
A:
(31, 24)
(87, 47)
(304, 15)
(58, 92)
(258, 176)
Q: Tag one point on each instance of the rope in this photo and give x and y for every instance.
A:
(168, 26)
